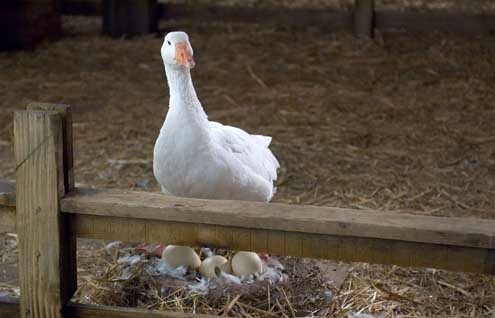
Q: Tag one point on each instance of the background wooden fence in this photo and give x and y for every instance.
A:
(25, 23)
(362, 19)
(48, 213)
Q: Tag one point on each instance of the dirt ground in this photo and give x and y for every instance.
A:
(401, 123)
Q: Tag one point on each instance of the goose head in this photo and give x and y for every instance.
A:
(177, 51)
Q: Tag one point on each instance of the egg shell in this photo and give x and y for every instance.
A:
(207, 268)
(175, 256)
(246, 263)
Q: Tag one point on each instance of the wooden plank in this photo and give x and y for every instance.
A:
(73, 310)
(363, 18)
(38, 156)
(469, 232)
(346, 248)
(68, 155)
(66, 174)
(9, 307)
(283, 242)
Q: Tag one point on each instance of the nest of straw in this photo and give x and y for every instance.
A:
(303, 292)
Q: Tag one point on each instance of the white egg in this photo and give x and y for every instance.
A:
(175, 256)
(246, 263)
(207, 268)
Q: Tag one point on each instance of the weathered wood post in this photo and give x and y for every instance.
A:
(46, 249)
(129, 17)
(364, 18)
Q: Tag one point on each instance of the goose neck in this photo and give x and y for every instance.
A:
(180, 84)
(184, 103)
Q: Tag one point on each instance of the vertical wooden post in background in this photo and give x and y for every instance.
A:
(24, 23)
(129, 17)
(45, 274)
(364, 18)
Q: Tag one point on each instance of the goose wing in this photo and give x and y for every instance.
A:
(250, 150)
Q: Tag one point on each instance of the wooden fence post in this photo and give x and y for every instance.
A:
(68, 154)
(129, 17)
(46, 266)
(364, 18)
(69, 248)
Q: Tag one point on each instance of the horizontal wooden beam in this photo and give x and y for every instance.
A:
(73, 310)
(350, 235)
(338, 247)
(9, 308)
(416, 21)
(460, 244)
(468, 232)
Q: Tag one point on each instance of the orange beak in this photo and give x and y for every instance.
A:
(183, 55)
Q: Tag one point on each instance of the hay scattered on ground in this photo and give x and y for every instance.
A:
(400, 123)
(9, 285)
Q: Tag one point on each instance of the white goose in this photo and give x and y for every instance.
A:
(194, 157)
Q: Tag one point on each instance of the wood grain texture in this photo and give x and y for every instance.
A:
(66, 180)
(345, 248)
(91, 311)
(38, 154)
(68, 154)
(9, 308)
(469, 232)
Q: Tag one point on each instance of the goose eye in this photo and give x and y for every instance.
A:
(169, 43)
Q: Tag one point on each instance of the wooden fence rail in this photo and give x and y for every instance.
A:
(48, 214)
